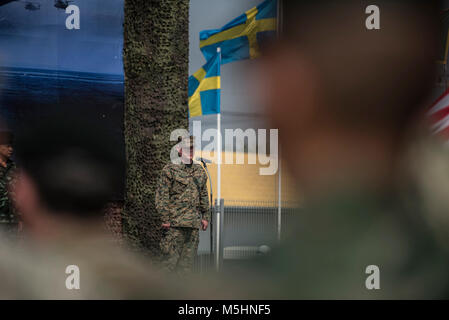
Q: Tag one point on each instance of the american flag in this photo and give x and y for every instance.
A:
(439, 116)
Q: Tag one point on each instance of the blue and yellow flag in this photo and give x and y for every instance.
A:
(204, 89)
(240, 38)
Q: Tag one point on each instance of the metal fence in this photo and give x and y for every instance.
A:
(248, 229)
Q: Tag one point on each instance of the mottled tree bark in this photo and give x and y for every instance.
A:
(156, 50)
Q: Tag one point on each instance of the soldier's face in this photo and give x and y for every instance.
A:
(5, 151)
(187, 154)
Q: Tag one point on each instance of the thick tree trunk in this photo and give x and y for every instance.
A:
(156, 51)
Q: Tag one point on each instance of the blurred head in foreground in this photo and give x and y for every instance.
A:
(69, 170)
(345, 98)
(347, 101)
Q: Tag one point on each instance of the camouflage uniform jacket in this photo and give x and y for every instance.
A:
(181, 195)
(7, 214)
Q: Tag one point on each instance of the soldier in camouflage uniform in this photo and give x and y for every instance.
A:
(8, 218)
(183, 204)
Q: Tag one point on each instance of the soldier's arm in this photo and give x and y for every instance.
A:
(11, 180)
(163, 195)
(204, 200)
(4, 200)
(6, 194)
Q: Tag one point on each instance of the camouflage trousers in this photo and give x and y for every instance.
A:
(179, 246)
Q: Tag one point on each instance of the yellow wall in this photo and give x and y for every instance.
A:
(242, 183)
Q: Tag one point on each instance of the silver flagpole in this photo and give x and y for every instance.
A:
(218, 200)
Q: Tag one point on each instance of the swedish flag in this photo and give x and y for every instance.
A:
(240, 38)
(204, 89)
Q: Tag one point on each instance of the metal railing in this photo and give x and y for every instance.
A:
(247, 229)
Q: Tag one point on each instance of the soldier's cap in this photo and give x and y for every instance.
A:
(186, 141)
(6, 137)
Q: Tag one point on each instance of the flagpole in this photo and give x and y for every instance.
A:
(219, 138)
(218, 200)
(219, 156)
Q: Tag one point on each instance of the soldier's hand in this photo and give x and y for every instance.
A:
(166, 225)
(204, 224)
